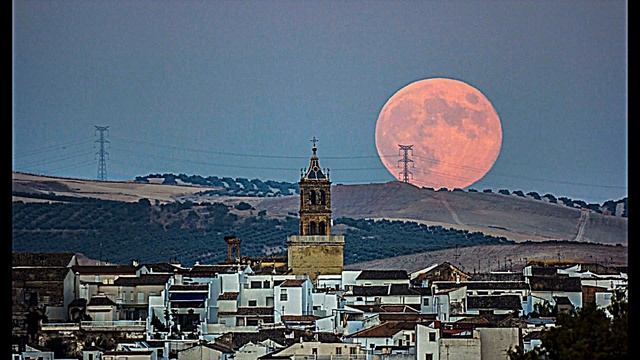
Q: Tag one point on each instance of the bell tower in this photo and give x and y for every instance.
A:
(315, 251)
(315, 198)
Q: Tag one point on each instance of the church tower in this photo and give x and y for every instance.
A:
(315, 251)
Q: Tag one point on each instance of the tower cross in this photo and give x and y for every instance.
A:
(314, 141)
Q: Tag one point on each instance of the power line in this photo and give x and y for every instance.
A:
(49, 148)
(225, 153)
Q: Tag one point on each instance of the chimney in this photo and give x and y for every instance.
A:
(135, 263)
(233, 242)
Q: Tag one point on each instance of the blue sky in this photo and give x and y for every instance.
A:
(237, 88)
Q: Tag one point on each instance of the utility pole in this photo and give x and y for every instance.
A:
(102, 152)
(405, 160)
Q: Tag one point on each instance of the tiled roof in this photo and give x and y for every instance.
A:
(292, 283)
(145, 279)
(105, 270)
(497, 277)
(556, 283)
(392, 289)
(101, 301)
(408, 316)
(382, 275)
(544, 270)
(482, 285)
(387, 308)
(255, 311)
(219, 347)
(386, 329)
(502, 302)
(192, 287)
(370, 290)
(228, 296)
(212, 270)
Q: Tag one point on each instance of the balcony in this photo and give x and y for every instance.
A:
(116, 325)
(60, 326)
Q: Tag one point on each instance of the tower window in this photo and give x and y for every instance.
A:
(312, 228)
(323, 198)
(322, 228)
(312, 197)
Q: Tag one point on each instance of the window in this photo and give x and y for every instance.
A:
(283, 294)
(266, 284)
(524, 298)
(256, 285)
(314, 351)
(425, 302)
(312, 228)
(322, 228)
(323, 197)
(359, 298)
(432, 336)
(353, 350)
(483, 293)
(338, 351)
(252, 322)
(312, 197)
(141, 298)
(497, 293)
(253, 302)
(90, 356)
(428, 356)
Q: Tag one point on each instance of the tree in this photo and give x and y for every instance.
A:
(588, 333)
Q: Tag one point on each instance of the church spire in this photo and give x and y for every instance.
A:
(314, 172)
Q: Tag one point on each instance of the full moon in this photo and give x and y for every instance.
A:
(455, 132)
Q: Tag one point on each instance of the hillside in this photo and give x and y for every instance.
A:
(123, 231)
(510, 216)
(107, 190)
(486, 257)
(513, 217)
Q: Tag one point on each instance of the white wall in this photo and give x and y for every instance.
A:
(327, 302)
(423, 345)
(461, 349)
(497, 341)
(349, 278)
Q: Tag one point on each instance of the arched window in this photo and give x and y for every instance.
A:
(312, 228)
(323, 198)
(322, 228)
(312, 197)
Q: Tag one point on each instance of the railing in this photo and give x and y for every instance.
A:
(130, 325)
(330, 357)
(59, 326)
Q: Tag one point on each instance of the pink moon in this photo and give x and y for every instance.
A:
(455, 132)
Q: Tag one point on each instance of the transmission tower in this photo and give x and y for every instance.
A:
(102, 152)
(404, 152)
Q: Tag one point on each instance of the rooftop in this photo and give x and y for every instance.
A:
(555, 283)
(386, 329)
(501, 302)
(101, 300)
(104, 269)
(190, 287)
(145, 279)
(383, 275)
(292, 283)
